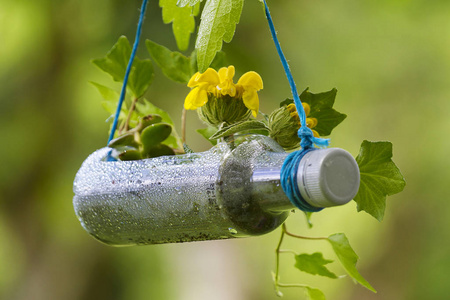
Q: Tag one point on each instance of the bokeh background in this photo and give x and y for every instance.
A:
(389, 60)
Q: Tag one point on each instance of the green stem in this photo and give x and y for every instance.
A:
(130, 113)
(302, 237)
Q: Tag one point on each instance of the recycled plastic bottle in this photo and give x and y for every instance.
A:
(227, 192)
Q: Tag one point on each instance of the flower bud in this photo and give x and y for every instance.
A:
(224, 109)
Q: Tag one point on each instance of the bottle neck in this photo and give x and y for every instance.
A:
(266, 186)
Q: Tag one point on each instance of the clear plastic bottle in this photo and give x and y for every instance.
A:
(217, 194)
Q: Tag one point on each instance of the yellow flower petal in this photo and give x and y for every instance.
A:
(251, 101)
(251, 80)
(193, 82)
(315, 133)
(306, 108)
(196, 98)
(311, 122)
(226, 74)
(209, 76)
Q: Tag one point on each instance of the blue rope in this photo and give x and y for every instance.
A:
(305, 133)
(289, 184)
(288, 176)
(127, 73)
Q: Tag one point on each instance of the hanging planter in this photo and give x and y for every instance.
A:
(148, 187)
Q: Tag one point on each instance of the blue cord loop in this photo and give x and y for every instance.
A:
(289, 169)
(127, 73)
(289, 181)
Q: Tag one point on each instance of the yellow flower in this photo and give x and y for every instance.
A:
(220, 85)
(310, 122)
(284, 124)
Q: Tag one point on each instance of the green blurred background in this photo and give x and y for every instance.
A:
(389, 60)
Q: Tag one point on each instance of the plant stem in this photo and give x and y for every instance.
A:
(277, 255)
(130, 113)
(302, 237)
(183, 126)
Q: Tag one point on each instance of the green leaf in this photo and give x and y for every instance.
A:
(220, 60)
(207, 133)
(124, 140)
(322, 109)
(286, 102)
(116, 60)
(183, 3)
(130, 155)
(347, 257)
(183, 21)
(155, 134)
(147, 108)
(218, 23)
(174, 65)
(141, 77)
(245, 126)
(115, 64)
(313, 264)
(106, 93)
(314, 294)
(158, 150)
(380, 177)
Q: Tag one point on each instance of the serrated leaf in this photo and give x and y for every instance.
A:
(141, 77)
(245, 126)
(207, 133)
(183, 3)
(219, 61)
(314, 264)
(182, 19)
(174, 65)
(322, 109)
(380, 177)
(115, 64)
(348, 258)
(314, 294)
(116, 60)
(218, 23)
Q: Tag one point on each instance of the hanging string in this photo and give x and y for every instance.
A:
(128, 70)
(289, 169)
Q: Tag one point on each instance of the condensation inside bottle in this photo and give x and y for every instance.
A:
(217, 194)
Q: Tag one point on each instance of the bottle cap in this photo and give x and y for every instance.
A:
(328, 177)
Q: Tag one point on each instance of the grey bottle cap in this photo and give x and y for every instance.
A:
(328, 177)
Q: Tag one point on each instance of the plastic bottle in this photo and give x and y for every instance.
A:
(217, 194)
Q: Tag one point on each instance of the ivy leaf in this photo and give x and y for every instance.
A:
(174, 65)
(116, 60)
(107, 93)
(182, 19)
(115, 64)
(322, 109)
(314, 294)
(380, 177)
(141, 77)
(218, 23)
(348, 258)
(246, 126)
(207, 133)
(314, 264)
